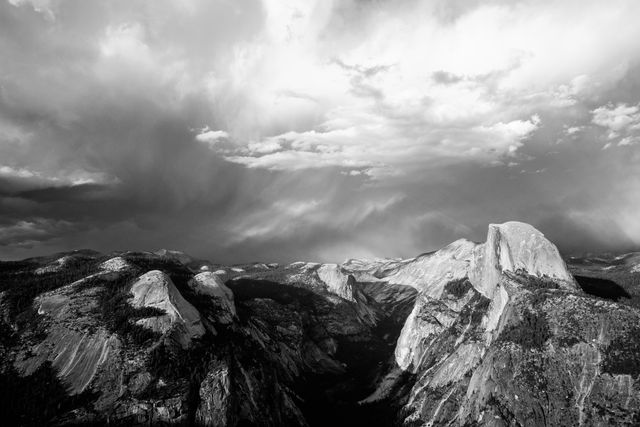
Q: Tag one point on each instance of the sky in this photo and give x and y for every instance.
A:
(282, 130)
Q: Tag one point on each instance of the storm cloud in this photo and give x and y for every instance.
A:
(281, 130)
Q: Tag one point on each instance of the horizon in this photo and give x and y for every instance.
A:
(320, 130)
(117, 252)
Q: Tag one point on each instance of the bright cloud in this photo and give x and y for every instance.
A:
(211, 137)
(401, 87)
(622, 123)
(37, 179)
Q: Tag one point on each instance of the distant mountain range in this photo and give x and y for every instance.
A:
(502, 333)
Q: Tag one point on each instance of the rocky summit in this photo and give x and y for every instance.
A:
(500, 333)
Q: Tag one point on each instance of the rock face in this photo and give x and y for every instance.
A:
(115, 264)
(517, 247)
(75, 354)
(156, 290)
(337, 282)
(429, 273)
(512, 247)
(505, 342)
(55, 266)
(209, 285)
(491, 334)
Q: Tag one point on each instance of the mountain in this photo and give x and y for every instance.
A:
(498, 333)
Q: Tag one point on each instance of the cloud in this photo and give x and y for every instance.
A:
(125, 41)
(277, 130)
(622, 122)
(374, 144)
(371, 95)
(573, 130)
(29, 233)
(446, 78)
(294, 160)
(628, 140)
(34, 179)
(620, 118)
(211, 137)
(264, 147)
(40, 6)
(9, 172)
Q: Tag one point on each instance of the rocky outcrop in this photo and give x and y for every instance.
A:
(156, 290)
(498, 345)
(216, 398)
(516, 247)
(75, 353)
(460, 306)
(430, 273)
(372, 270)
(512, 247)
(337, 282)
(209, 285)
(116, 264)
(54, 266)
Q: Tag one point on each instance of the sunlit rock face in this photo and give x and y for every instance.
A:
(516, 247)
(429, 273)
(115, 264)
(75, 353)
(156, 290)
(337, 282)
(54, 266)
(372, 270)
(513, 247)
(495, 343)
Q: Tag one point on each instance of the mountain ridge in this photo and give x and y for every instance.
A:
(445, 338)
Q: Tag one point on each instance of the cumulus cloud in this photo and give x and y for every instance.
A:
(373, 100)
(617, 118)
(211, 137)
(621, 122)
(572, 130)
(264, 147)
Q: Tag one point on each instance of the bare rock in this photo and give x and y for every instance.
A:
(155, 289)
(221, 297)
(337, 282)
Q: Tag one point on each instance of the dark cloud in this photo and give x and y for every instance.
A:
(446, 78)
